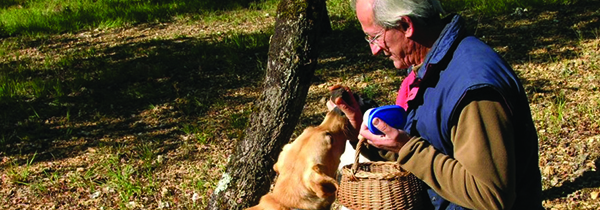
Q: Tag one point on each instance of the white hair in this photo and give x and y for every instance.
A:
(387, 13)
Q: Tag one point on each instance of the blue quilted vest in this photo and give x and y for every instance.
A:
(458, 63)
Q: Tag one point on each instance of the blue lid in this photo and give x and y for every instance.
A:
(393, 115)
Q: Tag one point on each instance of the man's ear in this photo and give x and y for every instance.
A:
(407, 25)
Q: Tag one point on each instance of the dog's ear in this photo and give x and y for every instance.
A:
(281, 157)
(275, 168)
(322, 185)
(365, 103)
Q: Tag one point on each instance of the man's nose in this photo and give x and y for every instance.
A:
(375, 49)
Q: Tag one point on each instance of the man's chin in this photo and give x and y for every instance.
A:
(400, 65)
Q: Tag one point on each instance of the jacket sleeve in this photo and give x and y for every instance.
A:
(481, 175)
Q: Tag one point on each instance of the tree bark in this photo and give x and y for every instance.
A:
(291, 64)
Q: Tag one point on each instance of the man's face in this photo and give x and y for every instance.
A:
(393, 42)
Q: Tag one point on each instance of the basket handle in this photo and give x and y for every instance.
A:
(361, 140)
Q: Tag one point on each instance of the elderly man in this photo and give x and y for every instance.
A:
(469, 134)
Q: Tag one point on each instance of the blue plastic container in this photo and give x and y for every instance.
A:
(393, 115)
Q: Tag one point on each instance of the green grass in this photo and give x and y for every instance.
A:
(21, 175)
(49, 16)
(495, 7)
(371, 91)
(122, 178)
(558, 112)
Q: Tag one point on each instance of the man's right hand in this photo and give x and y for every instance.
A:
(350, 108)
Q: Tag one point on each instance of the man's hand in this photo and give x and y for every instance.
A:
(350, 107)
(392, 139)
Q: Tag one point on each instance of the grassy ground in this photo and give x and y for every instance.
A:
(143, 116)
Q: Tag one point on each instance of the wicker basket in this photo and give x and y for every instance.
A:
(378, 185)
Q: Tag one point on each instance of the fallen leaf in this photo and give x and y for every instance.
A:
(594, 195)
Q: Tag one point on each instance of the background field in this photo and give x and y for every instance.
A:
(136, 104)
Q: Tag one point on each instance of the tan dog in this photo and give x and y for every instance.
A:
(307, 167)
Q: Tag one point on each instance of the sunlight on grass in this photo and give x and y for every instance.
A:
(498, 6)
(48, 16)
(21, 174)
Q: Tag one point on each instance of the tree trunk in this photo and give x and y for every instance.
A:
(291, 65)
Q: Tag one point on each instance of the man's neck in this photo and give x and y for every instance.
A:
(429, 34)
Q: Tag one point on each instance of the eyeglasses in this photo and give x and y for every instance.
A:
(373, 40)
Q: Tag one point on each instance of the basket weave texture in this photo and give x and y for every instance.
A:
(378, 185)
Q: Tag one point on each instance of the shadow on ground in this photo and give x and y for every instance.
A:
(103, 94)
(553, 30)
(589, 179)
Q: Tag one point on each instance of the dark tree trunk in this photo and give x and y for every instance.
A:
(291, 65)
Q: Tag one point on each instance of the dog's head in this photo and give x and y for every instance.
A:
(307, 166)
(317, 145)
